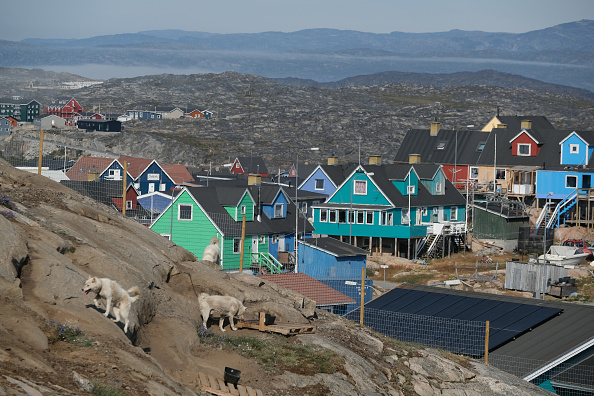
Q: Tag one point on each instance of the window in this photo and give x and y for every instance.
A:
(410, 190)
(184, 212)
(114, 173)
(441, 145)
(332, 216)
(278, 210)
(323, 215)
(128, 204)
(523, 149)
(319, 184)
(162, 187)
(481, 146)
(499, 173)
(303, 207)
(360, 217)
(574, 148)
(369, 218)
(342, 216)
(274, 240)
(262, 239)
(167, 236)
(454, 213)
(243, 209)
(424, 211)
(473, 172)
(236, 245)
(438, 188)
(360, 187)
(571, 181)
(351, 216)
(387, 219)
(405, 216)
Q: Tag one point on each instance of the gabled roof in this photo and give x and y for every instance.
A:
(252, 164)
(574, 133)
(136, 166)
(530, 133)
(308, 287)
(334, 247)
(178, 173)
(514, 123)
(213, 199)
(441, 149)
(85, 165)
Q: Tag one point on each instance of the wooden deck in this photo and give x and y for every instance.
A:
(217, 386)
(272, 328)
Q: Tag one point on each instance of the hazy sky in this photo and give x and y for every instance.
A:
(82, 19)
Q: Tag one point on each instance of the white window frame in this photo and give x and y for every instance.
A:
(276, 208)
(332, 212)
(179, 212)
(316, 184)
(168, 236)
(405, 216)
(128, 204)
(274, 240)
(471, 171)
(360, 213)
(424, 211)
(243, 209)
(574, 148)
(504, 173)
(162, 187)
(367, 215)
(324, 218)
(520, 145)
(236, 245)
(438, 188)
(454, 213)
(574, 177)
(360, 187)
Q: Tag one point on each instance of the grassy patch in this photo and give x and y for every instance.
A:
(419, 278)
(105, 390)
(585, 288)
(70, 334)
(276, 353)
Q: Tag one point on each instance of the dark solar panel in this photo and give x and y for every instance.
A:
(449, 321)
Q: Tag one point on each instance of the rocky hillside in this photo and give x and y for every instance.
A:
(260, 116)
(54, 341)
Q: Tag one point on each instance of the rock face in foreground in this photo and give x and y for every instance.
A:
(53, 239)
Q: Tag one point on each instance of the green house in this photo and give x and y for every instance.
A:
(392, 208)
(198, 214)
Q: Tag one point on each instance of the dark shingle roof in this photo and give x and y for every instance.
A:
(253, 164)
(335, 247)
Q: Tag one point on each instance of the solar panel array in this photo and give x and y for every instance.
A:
(449, 321)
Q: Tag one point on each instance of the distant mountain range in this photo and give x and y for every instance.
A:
(562, 54)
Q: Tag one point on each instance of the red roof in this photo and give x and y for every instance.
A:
(85, 165)
(179, 173)
(135, 165)
(309, 287)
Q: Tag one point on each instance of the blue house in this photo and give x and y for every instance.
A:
(325, 179)
(575, 150)
(336, 264)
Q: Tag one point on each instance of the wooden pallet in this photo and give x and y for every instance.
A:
(217, 386)
(282, 329)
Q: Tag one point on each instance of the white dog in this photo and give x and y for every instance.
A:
(212, 251)
(114, 295)
(225, 306)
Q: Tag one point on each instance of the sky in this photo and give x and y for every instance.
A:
(83, 19)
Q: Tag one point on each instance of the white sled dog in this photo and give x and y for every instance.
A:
(225, 306)
(114, 295)
(212, 251)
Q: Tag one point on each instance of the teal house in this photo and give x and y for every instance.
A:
(198, 214)
(400, 209)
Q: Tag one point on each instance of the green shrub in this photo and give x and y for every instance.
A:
(105, 390)
(70, 334)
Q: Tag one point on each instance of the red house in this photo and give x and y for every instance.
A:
(65, 108)
(524, 144)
